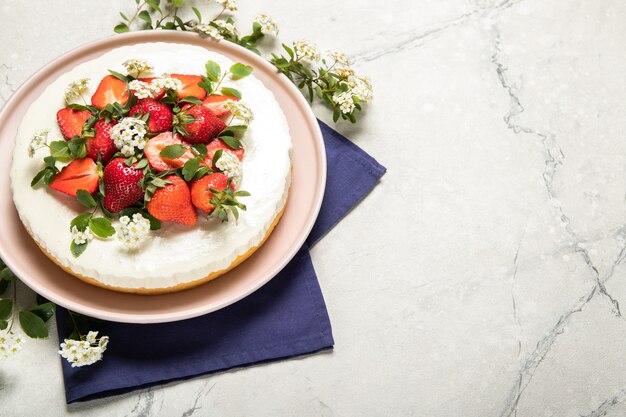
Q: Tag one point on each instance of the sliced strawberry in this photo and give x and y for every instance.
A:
(160, 115)
(80, 174)
(71, 121)
(217, 144)
(101, 144)
(149, 80)
(215, 103)
(157, 144)
(205, 127)
(201, 194)
(190, 86)
(172, 203)
(120, 185)
(109, 91)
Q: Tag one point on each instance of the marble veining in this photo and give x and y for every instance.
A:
(497, 287)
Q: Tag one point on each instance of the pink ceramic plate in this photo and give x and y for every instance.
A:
(308, 181)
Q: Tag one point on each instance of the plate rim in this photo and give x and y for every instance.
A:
(155, 36)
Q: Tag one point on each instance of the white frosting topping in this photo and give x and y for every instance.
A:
(175, 254)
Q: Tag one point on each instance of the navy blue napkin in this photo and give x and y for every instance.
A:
(285, 318)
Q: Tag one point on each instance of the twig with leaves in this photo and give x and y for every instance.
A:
(328, 76)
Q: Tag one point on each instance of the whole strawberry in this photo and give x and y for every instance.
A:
(101, 144)
(160, 115)
(120, 185)
(201, 194)
(172, 203)
(205, 127)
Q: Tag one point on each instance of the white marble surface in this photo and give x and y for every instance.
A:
(492, 278)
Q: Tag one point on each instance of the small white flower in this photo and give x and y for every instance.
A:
(84, 352)
(38, 141)
(166, 82)
(337, 57)
(230, 5)
(230, 165)
(81, 237)
(343, 71)
(268, 25)
(239, 111)
(208, 30)
(133, 232)
(136, 66)
(10, 343)
(128, 135)
(361, 87)
(345, 102)
(143, 89)
(307, 50)
(226, 28)
(75, 89)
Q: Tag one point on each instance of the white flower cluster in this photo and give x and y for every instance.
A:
(166, 82)
(10, 343)
(84, 352)
(129, 134)
(337, 57)
(307, 50)
(135, 67)
(227, 28)
(143, 89)
(81, 237)
(239, 111)
(75, 89)
(359, 87)
(38, 141)
(230, 5)
(208, 30)
(268, 25)
(230, 165)
(133, 232)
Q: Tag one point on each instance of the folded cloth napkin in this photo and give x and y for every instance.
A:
(285, 318)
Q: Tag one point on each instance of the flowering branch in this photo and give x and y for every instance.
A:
(329, 77)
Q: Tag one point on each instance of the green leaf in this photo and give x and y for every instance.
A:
(228, 91)
(216, 157)
(85, 199)
(178, 3)
(141, 164)
(45, 311)
(173, 151)
(33, 325)
(155, 5)
(38, 177)
(60, 150)
(145, 16)
(198, 15)
(240, 70)
(3, 286)
(6, 306)
(77, 147)
(213, 70)
(231, 141)
(41, 300)
(101, 227)
(199, 149)
(50, 161)
(190, 168)
(201, 172)
(121, 28)
(3, 324)
(7, 275)
(81, 221)
(76, 249)
(207, 85)
(119, 77)
(192, 100)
